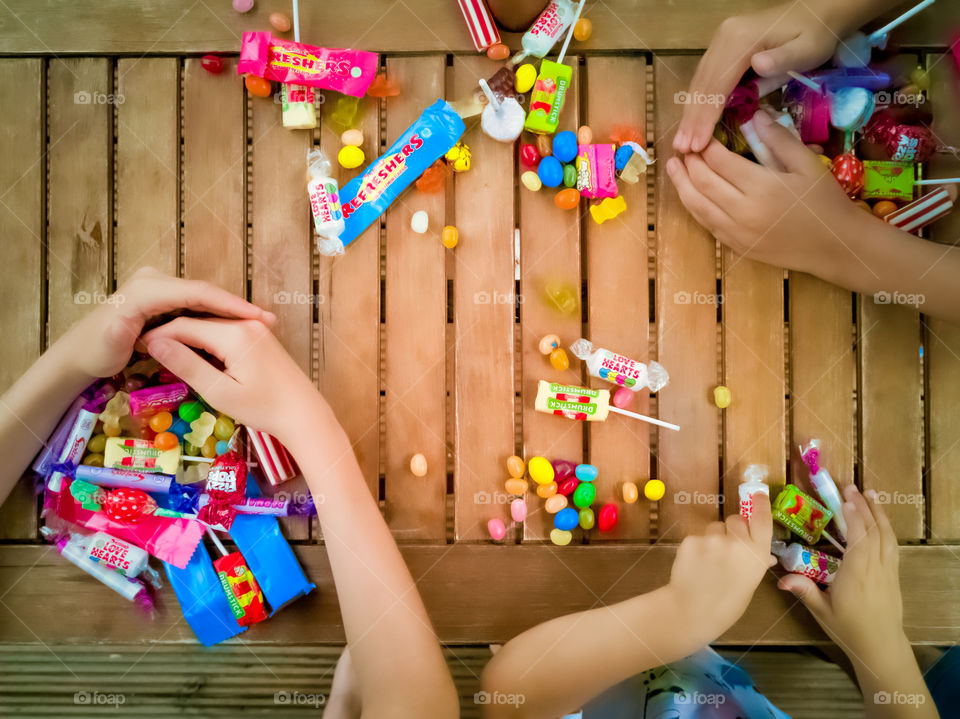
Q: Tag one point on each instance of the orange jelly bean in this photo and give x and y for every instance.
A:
(545, 491)
(884, 207)
(567, 199)
(209, 448)
(498, 51)
(161, 421)
(515, 486)
(257, 86)
(559, 359)
(165, 441)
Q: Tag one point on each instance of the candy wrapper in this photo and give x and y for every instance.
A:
(273, 58)
(139, 455)
(202, 599)
(902, 143)
(801, 513)
(619, 370)
(241, 589)
(888, 180)
(596, 171)
(275, 461)
(226, 485)
(324, 193)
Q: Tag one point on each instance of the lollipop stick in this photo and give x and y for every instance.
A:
(490, 96)
(938, 181)
(566, 41)
(804, 80)
(833, 541)
(217, 542)
(191, 458)
(877, 34)
(645, 418)
(296, 20)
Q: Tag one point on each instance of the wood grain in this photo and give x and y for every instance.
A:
(416, 301)
(618, 298)
(147, 187)
(687, 333)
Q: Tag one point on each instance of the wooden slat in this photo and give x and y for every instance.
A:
(687, 333)
(183, 26)
(79, 225)
(506, 590)
(890, 390)
(484, 315)
(348, 350)
(280, 247)
(618, 297)
(148, 158)
(21, 251)
(549, 253)
(214, 164)
(416, 301)
(823, 376)
(943, 338)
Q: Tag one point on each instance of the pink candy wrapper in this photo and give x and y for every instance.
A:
(273, 58)
(596, 171)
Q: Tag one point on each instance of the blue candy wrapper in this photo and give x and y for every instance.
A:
(270, 559)
(368, 195)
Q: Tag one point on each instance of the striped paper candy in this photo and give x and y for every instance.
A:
(479, 22)
(275, 461)
(923, 211)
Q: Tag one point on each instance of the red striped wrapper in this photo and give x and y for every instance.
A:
(274, 459)
(479, 22)
(923, 211)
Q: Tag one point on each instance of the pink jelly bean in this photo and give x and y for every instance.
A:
(622, 398)
(496, 529)
(243, 5)
(518, 509)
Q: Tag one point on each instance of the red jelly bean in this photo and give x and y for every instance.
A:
(529, 155)
(212, 64)
(608, 517)
(568, 486)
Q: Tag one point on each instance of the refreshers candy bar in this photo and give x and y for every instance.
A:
(324, 193)
(592, 405)
(619, 370)
(368, 195)
(273, 58)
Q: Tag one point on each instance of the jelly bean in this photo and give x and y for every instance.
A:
(179, 427)
(279, 22)
(545, 491)
(161, 421)
(540, 469)
(515, 486)
(564, 297)
(566, 519)
(191, 449)
(622, 156)
(654, 490)
(189, 411)
(212, 64)
(531, 180)
(559, 359)
(97, 443)
(560, 537)
(584, 135)
(449, 237)
(585, 494)
(883, 208)
(824, 160)
(565, 146)
(587, 518)
(498, 51)
(608, 517)
(418, 465)
(111, 429)
(420, 222)
(721, 396)
(563, 469)
(516, 466)
(548, 343)
(209, 448)
(518, 510)
(569, 176)
(544, 145)
(567, 486)
(586, 472)
(555, 504)
(350, 156)
(223, 428)
(630, 492)
(257, 85)
(222, 447)
(567, 199)
(94, 459)
(529, 156)
(583, 29)
(622, 398)
(165, 440)
(525, 77)
(243, 5)
(550, 171)
(352, 138)
(496, 529)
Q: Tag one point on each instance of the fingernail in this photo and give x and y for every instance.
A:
(680, 140)
(672, 165)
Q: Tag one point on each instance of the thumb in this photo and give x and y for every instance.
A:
(792, 55)
(785, 146)
(807, 592)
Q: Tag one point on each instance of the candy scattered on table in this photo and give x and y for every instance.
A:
(280, 22)
(420, 222)
(212, 64)
(531, 180)
(243, 6)
(257, 86)
(629, 492)
(654, 489)
(607, 209)
(526, 75)
(497, 529)
(418, 465)
(498, 51)
(722, 396)
(459, 157)
(352, 137)
(350, 156)
(516, 466)
(567, 199)
(483, 31)
(622, 398)
(449, 237)
(383, 86)
(540, 470)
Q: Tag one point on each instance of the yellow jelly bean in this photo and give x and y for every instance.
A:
(545, 491)
(583, 29)
(559, 359)
(560, 537)
(531, 180)
(418, 465)
(449, 237)
(630, 492)
(97, 443)
(350, 157)
(209, 448)
(541, 471)
(555, 503)
(516, 466)
(721, 396)
(654, 490)
(94, 459)
(526, 76)
(516, 487)
(223, 427)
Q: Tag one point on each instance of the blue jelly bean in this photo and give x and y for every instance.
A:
(586, 472)
(223, 447)
(550, 171)
(622, 156)
(565, 146)
(566, 519)
(179, 428)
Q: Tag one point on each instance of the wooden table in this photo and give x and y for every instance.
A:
(422, 349)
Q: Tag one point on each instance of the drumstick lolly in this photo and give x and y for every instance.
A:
(592, 405)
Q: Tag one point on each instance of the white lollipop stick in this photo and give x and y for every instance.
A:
(645, 418)
(878, 38)
(217, 542)
(491, 98)
(834, 542)
(191, 458)
(938, 181)
(803, 79)
(296, 20)
(566, 41)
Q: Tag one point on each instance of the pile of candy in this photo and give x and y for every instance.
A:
(140, 466)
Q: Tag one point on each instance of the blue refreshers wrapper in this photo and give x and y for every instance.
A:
(204, 605)
(368, 195)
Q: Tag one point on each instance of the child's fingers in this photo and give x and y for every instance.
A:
(807, 592)
(715, 528)
(735, 169)
(219, 338)
(761, 521)
(792, 55)
(856, 532)
(711, 185)
(790, 151)
(155, 293)
(188, 366)
(703, 210)
(852, 494)
(888, 538)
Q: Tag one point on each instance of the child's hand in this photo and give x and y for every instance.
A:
(861, 611)
(715, 574)
(104, 339)
(791, 219)
(260, 384)
(792, 36)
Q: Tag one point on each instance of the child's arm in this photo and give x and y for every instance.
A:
(863, 613)
(99, 345)
(802, 220)
(561, 664)
(794, 36)
(394, 653)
